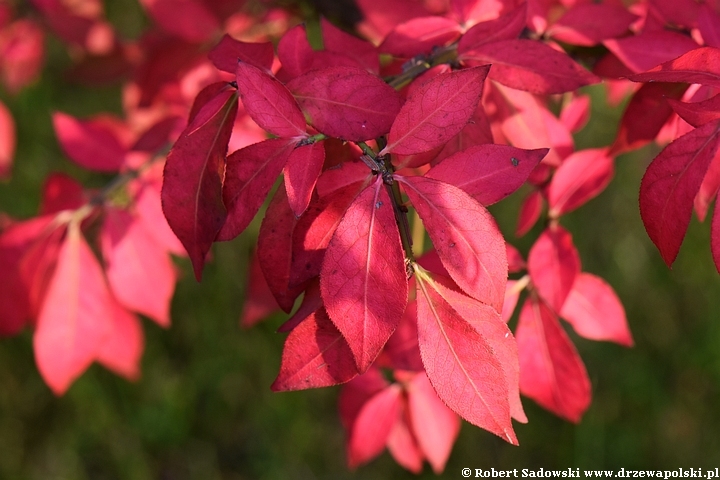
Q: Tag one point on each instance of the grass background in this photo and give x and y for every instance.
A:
(203, 408)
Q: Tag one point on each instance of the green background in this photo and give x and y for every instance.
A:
(203, 408)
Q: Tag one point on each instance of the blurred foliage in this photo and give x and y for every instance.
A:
(203, 408)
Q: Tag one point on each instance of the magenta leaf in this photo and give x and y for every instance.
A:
(363, 280)
(436, 112)
(582, 176)
(697, 113)
(249, 176)
(643, 52)
(268, 102)
(347, 102)
(371, 428)
(488, 172)
(124, 344)
(228, 51)
(315, 355)
(7, 141)
(465, 236)
(89, 143)
(301, 173)
(460, 364)
(595, 311)
(530, 211)
(553, 264)
(192, 187)
(420, 35)
(530, 65)
(551, 371)
(506, 27)
(701, 65)
(670, 184)
(588, 24)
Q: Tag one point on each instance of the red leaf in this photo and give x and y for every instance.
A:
(643, 52)
(436, 112)
(311, 302)
(338, 41)
(582, 176)
(697, 113)
(576, 114)
(420, 35)
(530, 65)
(274, 250)
(89, 143)
(401, 350)
(595, 311)
(228, 51)
(530, 211)
(249, 175)
(516, 262)
(301, 173)
(268, 102)
(588, 24)
(708, 188)
(551, 371)
(506, 27)
(140, 273)
(7, 141)
(696, 66)
(553, 264)
(460, 364)
(494, 330)
(190, 20)
(73, 322)
(347, 102)
(315, 229)
(315, 355)
(372, 426)
(435, 426)
(192, 198)
(465, 236)
(645, 115)
(488, 172)
(512, 295)
(363, 279)
(403, 447)
(123, 346)
(670, 184)
(341, 175)
(61, 192)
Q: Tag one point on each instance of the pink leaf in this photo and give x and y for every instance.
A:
(259, 299)
(338, 41)
(301, 173)
(363, 279)
(708, 188)
(435, 426)
(551, 371)
(140, 273)
(643, 52)
(315, 355)
(401, 350)
(123, 346)
(436, 112)
(249, 175)
(403, 447)
(595, 311)
(530, 211)
(506, 27)
(311, 302)
(670, 184)
(7, 141)
(696, 66)
(530, 65)
(420, 35)
(372, 426)
(226, 54)
(553, 264)
(588, 24)
(460, 364)
(488, 172)
(191, 195)
(582, 176)
(73, 321)
(347, 102)
(89, 143)
(61, 192)
(715, 237)
(268, 102)
(465, 236)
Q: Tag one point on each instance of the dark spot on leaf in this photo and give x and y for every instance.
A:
(514, 161)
